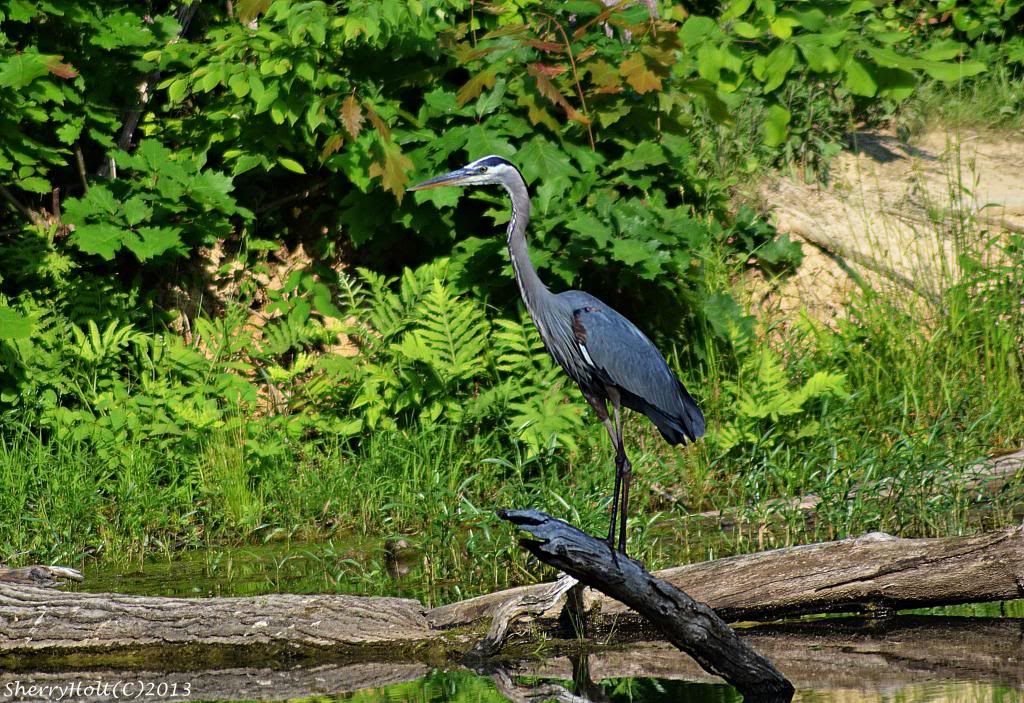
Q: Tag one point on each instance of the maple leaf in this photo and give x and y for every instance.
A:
(636, 73)
(378, 124)
(352, 116)
(394, 170)
(332, 144)
(61, 70)
(536, 113)
(476, 85)
(548, 89)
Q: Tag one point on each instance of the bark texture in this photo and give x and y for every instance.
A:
(35, 619)
(862, 574)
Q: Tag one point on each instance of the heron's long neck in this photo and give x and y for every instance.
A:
(531, 287)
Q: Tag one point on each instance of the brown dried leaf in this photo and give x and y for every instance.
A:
(332, 144)
(636, 73)
(394, 170)
(61, 70)
(475, 86)
(352, 116)
(550, 91)
(378, 124)
(548, 70)
(549, 46)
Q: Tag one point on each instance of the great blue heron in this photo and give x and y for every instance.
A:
(606, 354)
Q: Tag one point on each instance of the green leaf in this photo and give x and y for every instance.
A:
(895, 83)
(727, 319)
(782, 26)
(482, 141)
(34, 184)
(697, 29)
(777, 65)
(736, 8)
(177, 89)
(101, 239)
(239, 84)
(819, 57)
(153, 241)
(953, 71)
(136, 210)
(642, 156)
(943, 50)
(630, 251)
(14, 325)
(69, 132)
(860, 78)
(291, 164)
(19, 70)
(746, 30)
(542, 160)
(214, 188)
(709, 62)
(588, 225)
(776, 125)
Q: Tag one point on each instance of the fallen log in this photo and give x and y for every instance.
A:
(865, 574)
(872, 573)
(43, 576)
(691, 626)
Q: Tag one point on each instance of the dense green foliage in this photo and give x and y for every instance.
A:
(235, 321)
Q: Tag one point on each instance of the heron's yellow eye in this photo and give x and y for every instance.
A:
(483, 169)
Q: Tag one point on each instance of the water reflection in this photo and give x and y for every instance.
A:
(463, 687)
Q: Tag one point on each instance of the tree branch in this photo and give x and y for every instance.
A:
(691, 626)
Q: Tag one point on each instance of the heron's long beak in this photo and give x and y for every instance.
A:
(454, 178)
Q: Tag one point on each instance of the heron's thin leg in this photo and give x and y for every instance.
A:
(601, 409)
(618, 482)
(623, 475)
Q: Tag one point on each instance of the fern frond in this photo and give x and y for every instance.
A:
(450, 335)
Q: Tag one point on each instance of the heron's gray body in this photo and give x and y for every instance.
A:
(607, 355)
(599, 348)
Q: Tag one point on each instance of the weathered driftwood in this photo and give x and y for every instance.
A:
(43, 576)
(863, 574)
(691, 626)
(40, 620)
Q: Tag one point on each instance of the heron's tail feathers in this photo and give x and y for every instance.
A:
(685, 424)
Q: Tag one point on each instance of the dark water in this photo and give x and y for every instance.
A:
(963, 654)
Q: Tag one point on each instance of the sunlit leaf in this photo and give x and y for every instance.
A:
(14, 325)
(635, 71)
(352, 116)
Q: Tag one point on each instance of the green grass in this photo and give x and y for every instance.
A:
(992, 100)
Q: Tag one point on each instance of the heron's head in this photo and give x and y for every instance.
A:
(490, 170)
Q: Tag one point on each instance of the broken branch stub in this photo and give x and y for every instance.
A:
(691, 626)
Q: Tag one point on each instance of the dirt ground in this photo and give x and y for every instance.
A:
(895, 214)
